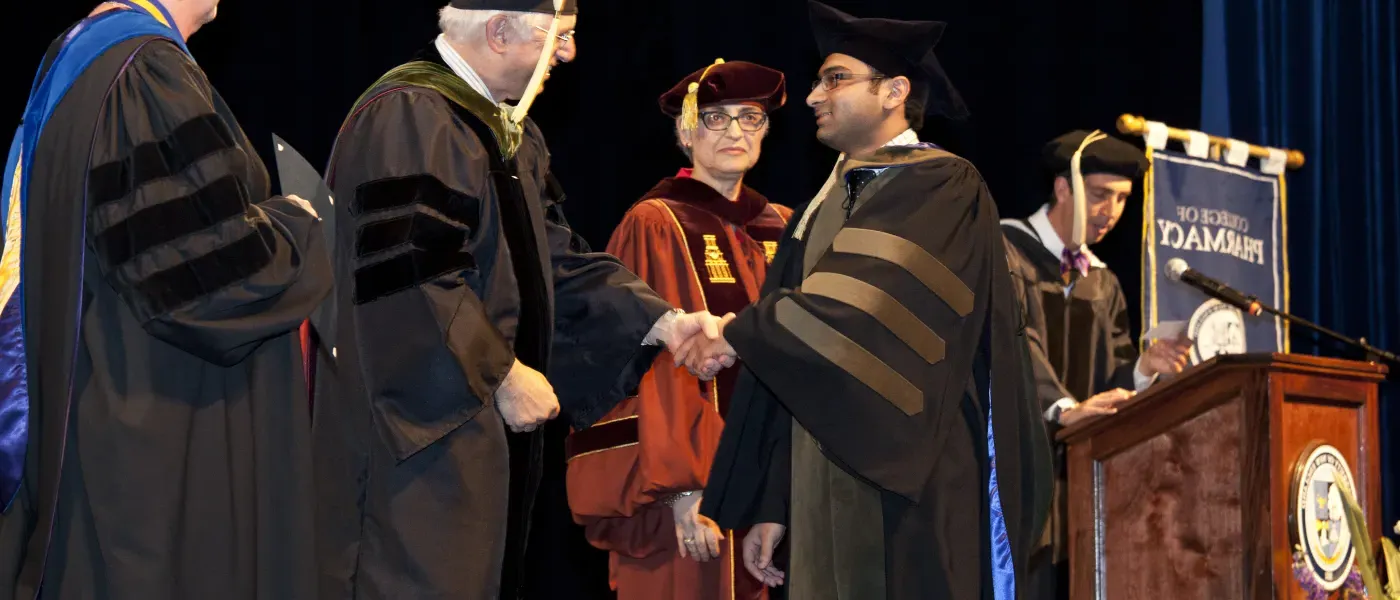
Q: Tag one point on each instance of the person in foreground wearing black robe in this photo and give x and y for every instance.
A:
(168, 442)
(883, 357)
(1083, 355)
(465, 307)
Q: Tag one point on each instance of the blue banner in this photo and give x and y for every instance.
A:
(1228, 223)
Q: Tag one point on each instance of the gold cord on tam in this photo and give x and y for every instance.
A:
(690, 106)
(1081, 204)
(541, 68)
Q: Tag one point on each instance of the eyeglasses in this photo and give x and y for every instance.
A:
(831, 81)
(718, 121)
(563, 37)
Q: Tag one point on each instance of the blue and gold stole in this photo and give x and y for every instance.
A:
(82, 45)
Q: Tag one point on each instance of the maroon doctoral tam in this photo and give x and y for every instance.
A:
(729, 83)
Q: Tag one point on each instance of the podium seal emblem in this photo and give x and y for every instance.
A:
(1218, 328)
(1318, 516)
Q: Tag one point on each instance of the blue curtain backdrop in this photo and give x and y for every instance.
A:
(1323, 76)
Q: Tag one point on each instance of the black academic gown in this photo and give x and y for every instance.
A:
(453, 262)
(1080, 346)
(169, 450)
(1086, 345)
(813, 358)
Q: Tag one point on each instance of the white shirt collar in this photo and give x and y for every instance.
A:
(908, 138)
(461, 68)
(1040, 226)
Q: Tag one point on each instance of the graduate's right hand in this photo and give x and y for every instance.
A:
(758, 553)
(706, 357)
(525, 399)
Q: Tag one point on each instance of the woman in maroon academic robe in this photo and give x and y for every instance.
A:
(703, 241)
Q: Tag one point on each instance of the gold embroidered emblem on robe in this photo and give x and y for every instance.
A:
(715, 263)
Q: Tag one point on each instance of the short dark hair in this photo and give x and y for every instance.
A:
(913, 107)
(914, 113)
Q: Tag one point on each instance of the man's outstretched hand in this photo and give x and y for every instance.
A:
(686, 326)
(705, 355)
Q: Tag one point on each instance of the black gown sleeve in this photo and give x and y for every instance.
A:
(750, 480)
(776, 496)
(1125, 352)
(1048, 388)
(432, 357)
(872, 354)
(179, 221)
(602, 313)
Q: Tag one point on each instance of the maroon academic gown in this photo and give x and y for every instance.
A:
(700, 251)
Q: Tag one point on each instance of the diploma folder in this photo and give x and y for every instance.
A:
(300, 179)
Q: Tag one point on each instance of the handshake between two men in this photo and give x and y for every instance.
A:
(526, 400)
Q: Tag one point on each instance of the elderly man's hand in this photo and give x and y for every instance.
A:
(687, 327)
(705, 356)
(525, 399)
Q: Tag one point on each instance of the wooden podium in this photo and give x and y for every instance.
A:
(1185, 493)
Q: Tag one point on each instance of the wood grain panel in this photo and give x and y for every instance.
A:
(1256, 468)
(1175, 527)
(1081, 521)
(1185, 492)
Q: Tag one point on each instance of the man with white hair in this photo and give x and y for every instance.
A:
(460, 287)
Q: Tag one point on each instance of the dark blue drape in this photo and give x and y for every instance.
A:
(1323, 76)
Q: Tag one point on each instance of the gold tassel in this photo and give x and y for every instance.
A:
(1078, 238)
(690, 106)
(690, 112)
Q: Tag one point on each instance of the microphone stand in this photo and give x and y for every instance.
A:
(1373, 354)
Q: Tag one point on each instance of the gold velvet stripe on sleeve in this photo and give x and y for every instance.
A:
(882, 307)
(846, 354)
(909, 256)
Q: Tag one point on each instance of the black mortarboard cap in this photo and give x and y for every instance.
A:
(893, 48)
(539, 6)
(1108, 155)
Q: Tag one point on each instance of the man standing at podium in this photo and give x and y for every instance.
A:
(1085, 360)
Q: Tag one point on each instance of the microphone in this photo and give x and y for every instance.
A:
(1178, 270)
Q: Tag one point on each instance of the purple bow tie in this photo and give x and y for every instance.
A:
(1073, 260)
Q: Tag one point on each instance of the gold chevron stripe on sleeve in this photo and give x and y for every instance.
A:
(882, 307)
(846, 354)
(912, 258)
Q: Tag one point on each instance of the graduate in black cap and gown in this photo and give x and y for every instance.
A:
(865, 420)
(460, 288)
(1083, 353)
